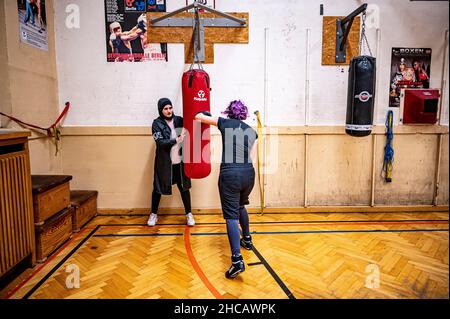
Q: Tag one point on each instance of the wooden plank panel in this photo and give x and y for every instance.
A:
(348, 174)
(413, 171)
(329, 41)
(443, 195)
(7, 212)
(21, 206)
(15, 203)
(184, 34)
(189, 53)
(3, 241)
(286, 182)
(29, 206)
(16, 215)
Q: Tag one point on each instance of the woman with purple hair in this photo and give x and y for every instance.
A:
(237, 177)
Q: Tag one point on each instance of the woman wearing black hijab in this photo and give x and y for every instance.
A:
(168, 133)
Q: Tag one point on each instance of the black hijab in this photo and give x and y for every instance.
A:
(161, 104)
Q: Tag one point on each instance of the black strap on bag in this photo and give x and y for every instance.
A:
(191, 78)
(207, 81)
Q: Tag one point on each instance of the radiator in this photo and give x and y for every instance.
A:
(16, 207)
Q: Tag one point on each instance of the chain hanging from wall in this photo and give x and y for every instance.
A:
(363, 39)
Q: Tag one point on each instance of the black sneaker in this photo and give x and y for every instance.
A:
(236, 268)
(246, 242)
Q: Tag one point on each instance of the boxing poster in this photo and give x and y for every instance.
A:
(410, 68)
(33, 23)
(126, 31)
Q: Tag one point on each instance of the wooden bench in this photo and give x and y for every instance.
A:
(53, 233)
(51, 194)
(84, 204)
(52, 212)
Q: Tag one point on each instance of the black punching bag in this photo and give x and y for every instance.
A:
(361, 94)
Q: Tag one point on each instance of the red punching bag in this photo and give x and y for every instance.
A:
(196, 151)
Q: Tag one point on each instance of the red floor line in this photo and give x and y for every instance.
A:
(12, 292)
(198, 270)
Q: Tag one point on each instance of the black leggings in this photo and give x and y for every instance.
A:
(185, 195)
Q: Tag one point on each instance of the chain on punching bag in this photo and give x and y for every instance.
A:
(361, 89)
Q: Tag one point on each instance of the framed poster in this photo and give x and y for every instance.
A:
(33, 23)
(126, 31)
(410, 68)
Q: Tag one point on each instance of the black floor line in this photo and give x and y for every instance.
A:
(255, 264)
(284, 213)
(209, 234)
(273, 274)
(138, 235)
(284, 232)
(351, 231)
(43, 280)
(296, 222)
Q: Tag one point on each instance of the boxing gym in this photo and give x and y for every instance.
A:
(212, 149)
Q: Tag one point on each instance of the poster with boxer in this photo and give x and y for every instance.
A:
(33, 23)
(410, 68)
(126, 31)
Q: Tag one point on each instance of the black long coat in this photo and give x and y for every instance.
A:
(162, 182)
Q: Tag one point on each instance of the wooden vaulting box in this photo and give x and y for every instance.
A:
(84, 204)
(51, 194)
(53, 233)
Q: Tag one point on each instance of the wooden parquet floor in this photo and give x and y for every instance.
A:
(295, 256)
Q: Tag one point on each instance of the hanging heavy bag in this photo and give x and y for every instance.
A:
(361, 90)
(196, 98)
(360, 98)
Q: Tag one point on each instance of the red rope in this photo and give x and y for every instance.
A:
(47, 130)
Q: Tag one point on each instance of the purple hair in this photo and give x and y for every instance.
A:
(236, 110)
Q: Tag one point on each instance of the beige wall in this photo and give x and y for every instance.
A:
(118, 162)
(30, 85)
(5, 104)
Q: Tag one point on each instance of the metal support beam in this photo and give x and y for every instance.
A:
(342, 31)
(189, 22)
(199, 39)
(242, 22)
(218, 23)
(171, 14)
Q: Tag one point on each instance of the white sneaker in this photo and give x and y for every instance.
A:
(190, 219)
(152, 219)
